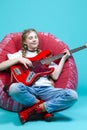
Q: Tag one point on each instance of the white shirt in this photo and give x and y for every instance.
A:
(42, 81)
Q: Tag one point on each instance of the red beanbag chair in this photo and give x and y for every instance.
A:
(12, 43)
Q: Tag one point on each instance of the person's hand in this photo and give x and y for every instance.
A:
(66, 55)
(26, 62)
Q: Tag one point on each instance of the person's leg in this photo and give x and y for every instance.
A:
(26, 114)
(56, 99)
(23, 94)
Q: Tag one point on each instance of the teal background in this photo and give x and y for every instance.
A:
(67, 20)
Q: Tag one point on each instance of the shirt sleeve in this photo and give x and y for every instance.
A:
(14, 55)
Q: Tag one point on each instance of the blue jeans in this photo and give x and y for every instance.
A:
(55, 99)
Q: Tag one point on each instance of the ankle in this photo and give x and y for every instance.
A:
(42, 107)
(37, 101)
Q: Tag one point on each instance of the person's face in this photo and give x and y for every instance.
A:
(32, 41)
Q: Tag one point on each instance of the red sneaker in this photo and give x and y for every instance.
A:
(30, 111)
(47, 116)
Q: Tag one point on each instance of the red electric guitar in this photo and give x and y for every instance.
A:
(39, 68)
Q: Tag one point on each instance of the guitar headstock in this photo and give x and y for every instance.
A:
(86, 45)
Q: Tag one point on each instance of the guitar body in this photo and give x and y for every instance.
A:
(28, 76)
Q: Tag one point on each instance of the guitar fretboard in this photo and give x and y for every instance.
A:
(48, 60)
(77, 49)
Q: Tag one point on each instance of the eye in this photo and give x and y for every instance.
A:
(36, 37)
(30, 38)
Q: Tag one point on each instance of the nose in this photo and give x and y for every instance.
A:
(34, 40)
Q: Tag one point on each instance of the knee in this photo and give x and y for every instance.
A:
(71, 97)
(14, 89)
(74, 95)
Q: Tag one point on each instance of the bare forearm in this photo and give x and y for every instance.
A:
(6, 64)
(58, 69)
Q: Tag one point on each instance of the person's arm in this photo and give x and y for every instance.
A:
(8, 63)
(58, 69)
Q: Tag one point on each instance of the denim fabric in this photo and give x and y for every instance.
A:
(55, 99)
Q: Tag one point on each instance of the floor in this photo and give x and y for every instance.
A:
(70, 119)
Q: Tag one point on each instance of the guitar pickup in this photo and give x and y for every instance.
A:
(17, 71)
(30, 76)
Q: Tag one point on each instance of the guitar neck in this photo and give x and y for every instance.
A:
(78, 49)
(48, 60)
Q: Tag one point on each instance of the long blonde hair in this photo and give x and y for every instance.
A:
(24, 36)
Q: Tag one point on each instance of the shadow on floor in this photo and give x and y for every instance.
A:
(7, 117)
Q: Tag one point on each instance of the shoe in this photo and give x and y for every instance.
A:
(30, 111)
(47, 116)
